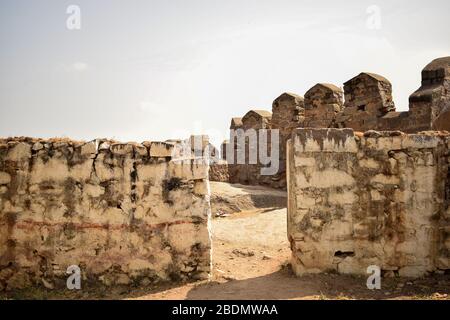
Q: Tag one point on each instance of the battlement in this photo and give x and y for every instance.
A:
(365, 103)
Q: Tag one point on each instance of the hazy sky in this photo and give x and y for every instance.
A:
(153, 70)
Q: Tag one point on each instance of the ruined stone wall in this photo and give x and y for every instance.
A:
(368, 105)
(322, 104)
(249, 170)
(257, 119)
(124, 213)
(288, 113)
(368, 96)
(219, 171)
(430, 104)
(378, 198)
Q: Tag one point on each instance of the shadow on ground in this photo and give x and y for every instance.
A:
(278, 285)
(284, 285)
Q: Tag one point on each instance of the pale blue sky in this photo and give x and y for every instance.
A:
(153, 70)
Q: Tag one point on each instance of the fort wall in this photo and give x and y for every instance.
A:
(365, 103)
(124, 213)
(378, 198)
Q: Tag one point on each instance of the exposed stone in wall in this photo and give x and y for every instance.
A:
(442, 121)
(378, 198)
(256, 119)
(199, 146)
(368, 96)
(248, 171)
(124, 213)
(368, 106)
(219, 171)
(223, 148)
(430, 104)
(393, 121)
(236, 123)
(288, 113)
(247, 166)
(250, 174)
(322, 103)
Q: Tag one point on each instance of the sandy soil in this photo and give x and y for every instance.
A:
(231, 198)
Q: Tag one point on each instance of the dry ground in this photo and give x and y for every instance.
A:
(251, 261)
(231, 198)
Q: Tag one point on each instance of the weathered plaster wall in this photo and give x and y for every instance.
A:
(124, 213)
(378, 198)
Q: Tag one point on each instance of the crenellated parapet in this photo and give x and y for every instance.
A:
(322, 103)
(430, 104)
(257, 119)
(368, 96)
(365, 103)
(124, 213)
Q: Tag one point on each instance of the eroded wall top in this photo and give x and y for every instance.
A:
(124, 213)
(378, 198)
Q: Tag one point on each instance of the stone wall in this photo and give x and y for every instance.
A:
(288, 113)
(378, 198)
(124, 213)
(219, 171)
(256, 119)
(368, 105)
(322, 104)
(430, 104)
(245, 140)
(368, 97)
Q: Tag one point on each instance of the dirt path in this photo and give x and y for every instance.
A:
(229, 198)
(250, 261)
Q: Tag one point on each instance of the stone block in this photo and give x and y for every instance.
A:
(161, 149)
